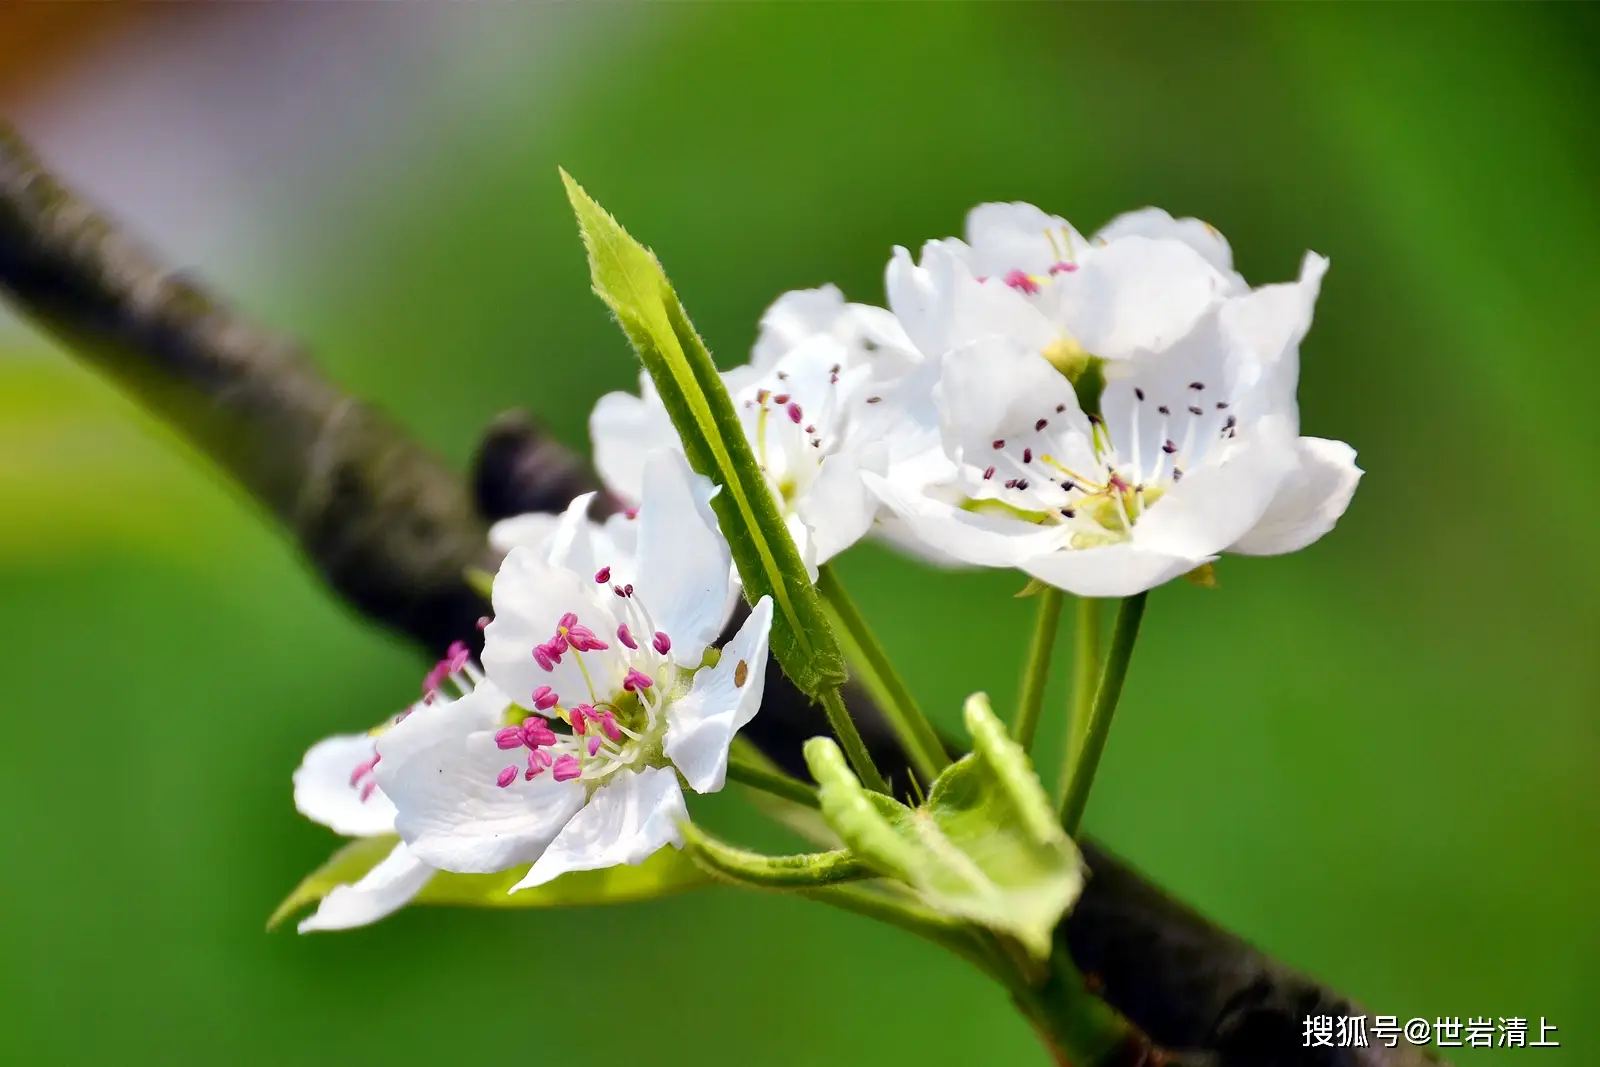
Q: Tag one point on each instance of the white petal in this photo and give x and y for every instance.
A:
(838, 509)
(996, 390)
(684, 562)
(324, 791)
(385, 889)
(440, 766)
(1108, 571)
(577, 543)
(980, 538)
(626, 821)
(533, 530)
(1267, 326)
(1139, 295)
(1309, 502)
(794, 317)
(1219, 499)
(624, 429)
(530, 597)
(1157, 224)
(702, 722)
(1007, 237)
(943, 307)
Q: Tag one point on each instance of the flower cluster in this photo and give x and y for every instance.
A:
(1104, 414)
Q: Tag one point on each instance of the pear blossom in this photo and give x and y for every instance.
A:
(832, 389)
(336, 785)
(1190, 448)
(611, 699)
(1140, 284)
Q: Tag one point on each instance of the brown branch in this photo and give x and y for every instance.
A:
(393, 531)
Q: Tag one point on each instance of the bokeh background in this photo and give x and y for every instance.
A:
(1375, 758)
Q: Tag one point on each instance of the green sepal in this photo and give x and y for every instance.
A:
(629, 278)
(985, 846)
(345, 866)
(742, 867)
(666, 871)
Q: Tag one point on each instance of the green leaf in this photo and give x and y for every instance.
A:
(629, 278)
(985, 846)
(667, 871)
(753, 869)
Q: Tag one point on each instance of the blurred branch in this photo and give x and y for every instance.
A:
(392, 531)
(383, 521)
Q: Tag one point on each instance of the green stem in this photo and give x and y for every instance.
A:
(855, 749)
(917, 735)
(1037, 669)
(877, 904)
(1085, 678)
(1079, 1028)
(1126, 631)
(771, 781)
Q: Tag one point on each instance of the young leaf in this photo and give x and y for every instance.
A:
(629, 278)
(984, 847)
(667, 871)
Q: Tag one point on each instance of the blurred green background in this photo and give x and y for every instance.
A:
(1375, 758)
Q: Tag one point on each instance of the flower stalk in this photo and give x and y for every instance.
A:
(1037, 669)
(1085, 679)
(1075, 797)
(877, 672)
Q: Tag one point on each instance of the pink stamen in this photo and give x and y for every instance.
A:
(1019, 280)
(506, 777)
(546, 661)
(568, 621)
(536, 733)
(630, 513)
(366, 790)
(602, 576)
(1063, 268)
(608, 726)
(362, 770)
(626, 636)
(636, 680)
(795, 414)
(508, 738)
(594, 745)
(582, 639)
(545, 698)
(662, 643)
(781, 399)
(580, 718)
(567, 768)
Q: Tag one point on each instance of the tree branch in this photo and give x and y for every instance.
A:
(392, 531)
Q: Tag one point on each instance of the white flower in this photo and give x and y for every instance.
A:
(619, 704)
(832, 390)
(334, 786)
(1195, 449)
(1139, 285)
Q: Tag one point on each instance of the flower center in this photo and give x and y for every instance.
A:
(791, 440)
(590, 735)
(1101, 485)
